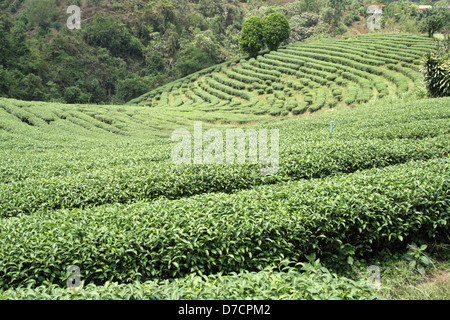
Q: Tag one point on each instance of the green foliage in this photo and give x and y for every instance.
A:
(305, 281)
(106, 33)
(32, 87)
(417, 258)
(310, 5)
(75, 95)
(154, 64)
(129, 89)
(193, 59)
(95, 185)
(304, 26)
(252, 39)
(350, 18)
(433, 24)
(155, 40)
(437, 71)
(336, 6)
(41, 13)
(147, 43)
(167, 239)
(124, 183)
(275, 29)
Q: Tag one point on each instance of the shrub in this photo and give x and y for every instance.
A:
(167, 239)
(437, 73)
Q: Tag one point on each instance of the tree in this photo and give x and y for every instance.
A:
(191, 60)
(33, 88)
(276, 30)
(433, 24)
(41, 12)
(5, 82)
(131, 88)
(252, 38)
(72, 95)
(210, 8)
(304, 26)
(310, 5)
(154, 63)
(337, 6)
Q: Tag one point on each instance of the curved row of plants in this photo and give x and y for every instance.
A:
(361, 140)
(342, 217)
(384, 62)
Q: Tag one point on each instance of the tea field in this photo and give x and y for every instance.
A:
(302, 77)
(95, 186)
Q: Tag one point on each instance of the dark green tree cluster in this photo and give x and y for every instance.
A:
(270, 31)
(129, 49)
(134, 47)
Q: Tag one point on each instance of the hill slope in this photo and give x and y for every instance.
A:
(97, 187)
(112, 202)
(303, 77)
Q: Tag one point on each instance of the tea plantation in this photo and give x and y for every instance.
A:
(303, 77)
(96, 187)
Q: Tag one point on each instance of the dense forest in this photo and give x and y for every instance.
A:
(127, 48)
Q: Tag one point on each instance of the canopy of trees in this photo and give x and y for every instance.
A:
(126, 48)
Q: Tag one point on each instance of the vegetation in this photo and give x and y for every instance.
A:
(437, 69)
(251, 40)
(270, 31)
(293, 284)
(109, 61)
(276, 30)
(293, 74)
(116, 197)
(433, 23)
(87, 181)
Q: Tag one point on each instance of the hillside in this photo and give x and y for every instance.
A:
(302, 77)
(97, 186)
(103, 193)
(319, 170)
(127, 48)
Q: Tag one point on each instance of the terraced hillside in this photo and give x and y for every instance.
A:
(304, 77)
(107, 198)
(96, 187)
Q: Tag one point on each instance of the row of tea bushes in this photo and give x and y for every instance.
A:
(307, 281)
(344, 216)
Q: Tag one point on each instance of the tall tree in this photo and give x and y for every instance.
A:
(276, 30)
(252, 38)
(433, 24)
